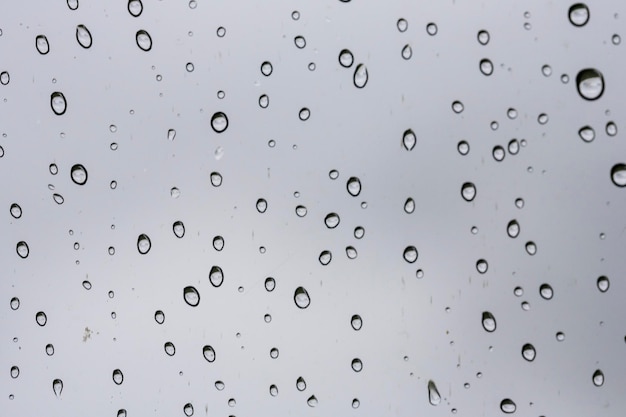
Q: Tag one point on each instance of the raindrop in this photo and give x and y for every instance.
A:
(486, 67)
(457, 107)
(331, 220)
(356, 403)
(587, 133)
(15, 210)
(507, 406)
(143, 39)
(408, 139)
(409, 205)
(191, 297)
(58, 198)
(560, 336)
(511, 113)
(41, 318)
(143, 244)
(135, 7)
(311, 401)
(346, 59)
(489, 322)
(83, 36)
(519, 203)
(22, 249)
(216, 276)
(304, 114)
(274, 353)
(300, 384)
(273, 390)
(15, 303)
(356, 322)
(121, 412)
(221, 31)
(513, 146)
(578, 14)
(603, 284)
(354, 185)
(357, 365)
(351, 252)
(15, 372)
(189, 67)
(218, 243)
(219, 122)
(431, 29)
(270, 284)
(264, 101)
(170, 350)
(42, 45)
(546, 292)
(78, 174)
(518, 291)
(72, 4)
(216, 179)
(498, 153)
(219, 385)
(529, 352)
(261, 205)
(616, 39)
(87, 285)
(188, 409)
(611, 129)
(49, 349)
(359, 232)
(57, 387)
(4, 78)
(299, 41)
(433, 394)
(618, 175)
(407, 52)
(590, 83)
(118, 377)
(266, 68)
(402, 25)
(546, 70)
(542, 119)
(410, 254)
(598, 378)
(179, 229)
(301, 297)
(301, 211)
(159, 316)
(58, 103)
(513, 229)
(463, 147)
(531, 248)
(209, 353)
(483, 37)
(360, 76)
(468, 191)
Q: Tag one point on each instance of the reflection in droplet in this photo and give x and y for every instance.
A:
(118, 377)
(546, 292)
(513, 229)
(489, 322)
(507, 406)
(408, 139)
(159, 316)
(219, 122)
(216, 276)
(57, 387)
(58, 103)
(529, 352)
(22, 249)
(301, 297)
(15, 210)
(590, 84)
(360, 76)
(486, 67)
(83, 36)
(603, 284)
(188, 409)
(42, 45)
(578, 14)
(218, 243)
(209, 353)
(433, 393)
(143, 244)
(410, 254)
(191, 297)
(179, 229)
(346, 59)
(618, 175)
(587, 133)
(143, 39)
(135, 7)
(468, 191)
(354, 186)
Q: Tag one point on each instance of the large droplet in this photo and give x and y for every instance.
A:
(216, 179)
(49, 349)
(345, 58)
(216, 276)
(618, 175)
(507, 406)
(433, 393)
(191, 297)
(360, 76)
(22, 249)
(188, 409)
(482, 266)
(4, 78)
(179, 229)
(301, 297)
(118, 377)
(356, 322)
(578, 14)
(209, 353)
(41, 319)
(143, 39)
(266, 68)
(513, 229)
(529, 352)
(409, 140)
(410, 254)
(143, 244)
(468, 191)
(83, 36)
(587, 133)
(270, 284)
(57, 387)
(135, 7)
(598, 378)
(489, 322)
(331, 220)
(219, 122)
(58, 103)
(590, 84)
(546, 292)
(42, 45)
(603, 284)
(354, 186)
(78, 173)
(15, 210)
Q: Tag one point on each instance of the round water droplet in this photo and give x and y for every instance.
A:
(408, 139)
(513, 146)
(304, 114)
(49, 349)
(274, 353)
(15, 372)
(410, 254)
(118, 377)
(219, 385)
(433, 394)
(407, 52)
(468, 191)
(507, 406)
(301, 211)
(300, 42)
(483, 37)
(58, 103)
(578, 14)
(135, 7)
(218, 243)
(498, 153)
(587, 133)
(72, 4)
(266, 68)
(300, 384)
(219, 122)
(188, 409)
(301, 298)
(261, 205)
(346, 59)
(489, 322)
(159, 316)
(354, 186)
(611, 129)
(179, 229)
(357, 365)
(546, 70)
(270, 284)
(519, 203)
(331, 220)
(457, 107)
(216, 276)
(57, 387)
(546, 292)
(143, 244)
(531, 248)
(41, 318)
(361, 76)
(174, 192)
(618, 175)
(402, 25)
(486, 67)
(216, 179)
(603, 284)
(189, 67)
(264, 101)
(273, 390)
(221, 31)
(431, 29)
(87, 285)
(590, 84)
(42, 45)
(4, 78)
(22, 249)
(170, 350)
(191, 297)
(463, 147)
(518, 291)
(598, 378)
(356, 322)
(351, 252)
(83, 36)
(15, 210)
(143, 39)
(78, 174)
(15, 303)
(121, 413)
(209, 353)
(529, 352)
(513, 229)
(409, 205)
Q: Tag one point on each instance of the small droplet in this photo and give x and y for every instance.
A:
(135, 7)
(618, 175)
(209, 353)
(301, 211)
(273, 390)
(188, 409)
(261, 205)
(274, 353)
(86, 285)
(468, 191)
(216, 179)
(578, 14)
(219, 122)
(486, 67)
(159, 316)
(58, 103)
(4, 78)
(191, 297)
(433, 393)
(361, 76)
(331, 220)
(587, 133)
(611, 129)
(15, 372)
(407, 52)
(513, 229)
(463, 147)
(266, 68)
(171, 134)
(300, 42)
(72, 4)
(507, 406)
(483, 37)
(57, 387)
(221, 31)
(300, 384)
(408, 139)
(143, 39)
(78, 174)
(529, 352)
(498, 153)
(431, 29)
(410, 254)
(546, 70)
(15, 303)
(270, 284)
(346, 59)
(143, 244)
(22, 249)
(513, 146)
(351, 252)
(409, 205)
(531, 248)
(304, 114)
(489, 322)
(218, 243)
(590, 84)
(121, 413)
(264, 101)
(216, 276)
(542, 119)
(179, 229)
(118, 377)
(301, 298)
(598, 378)
(354, 185)
(457, 107)
(546, 292)
(603, 284)
(170, 349)
(15, 210)
(219, 385)
(49, 349)
(357, 365)
(42, 45)
(359, 232)
(402, 25)
(83, 36)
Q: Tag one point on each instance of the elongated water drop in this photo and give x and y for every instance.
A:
(407, 52)
(261, 205)
(118, 377)
(356, 322)
(301, 298)
(191, 297)
(72, 4)
(603, 284)
(273, 390)
(266, 68)
(188, 409)
(590, 84)
(57, 387)
(4, 78)
(14, 303)
(170, 349)
(409, 205)
(143, 244)
(270, 284)
(216, 276)
(546, 292)
(42, 45)
(78, 173)
(58, 103)
(143, 39)
(218, 243)
(486, 67)
(300, 384)
(41, 318)
(354, 186)
(489, 322)
(135, 7)
(433, 393)
(15, 210)
(209, 353)
(409, 140)
(83, 36)
(360, 76)
(325, 257)
(15, 372)
(357, 365)
(159, 316)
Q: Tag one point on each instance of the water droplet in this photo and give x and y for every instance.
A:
(507, 406)
(598, 378)
(301, 297)
(15, 372)
(264, 101)
(360, 76)
(15, 210)
(402, 25)
(513, 229)
(216, 276)
(542, 119)
(209, 353)
(587, 133)
(463, 147)
(58, 103)
(57, 387)
(489, 322)
(546, 70)
(301, 211)
(431, 29)
(304, 114)
(219, 385)
(143, 39)
(159, 316)
(188, 409)
(49, 349)
(83, 36)
(41, 318)
(216, 179)
(611, 129)
(433, 393)
(171, 134)
(72, 4)
(135, 7)
(58, 198)
(354, 185)
(331, 220)
(513, 146)
(274, 353)
(529, 352)
(118, 377)
(219, 122)
(410, 254)
(78, 174)
(546, 292)
(295, 15)
(273, 390)
(408, 139)
(170, 349)
(221, 31)
(409, 205)
(531, 248)
(486, 67)
(457, 107)
(560, 336)
(179, 229)
(189, 67)
(483, 37)
(618, 175)
(300, 384)
(143, 244)
(346, 59)
(351, 252)
(261, 205)
(22, 249)
(356, 322)
(87, 285)
(498, 153)
(300, 42)
(357, 365)
(4, 78)
(407, 51)
(518, 291)
(174, 192)
(121, 413)
(266, 68)
(42, 45)
(15, 303)
(578, 14)
(270, 284)
(468, 191)
(590, 83)
(218, 243)
(603, 284)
